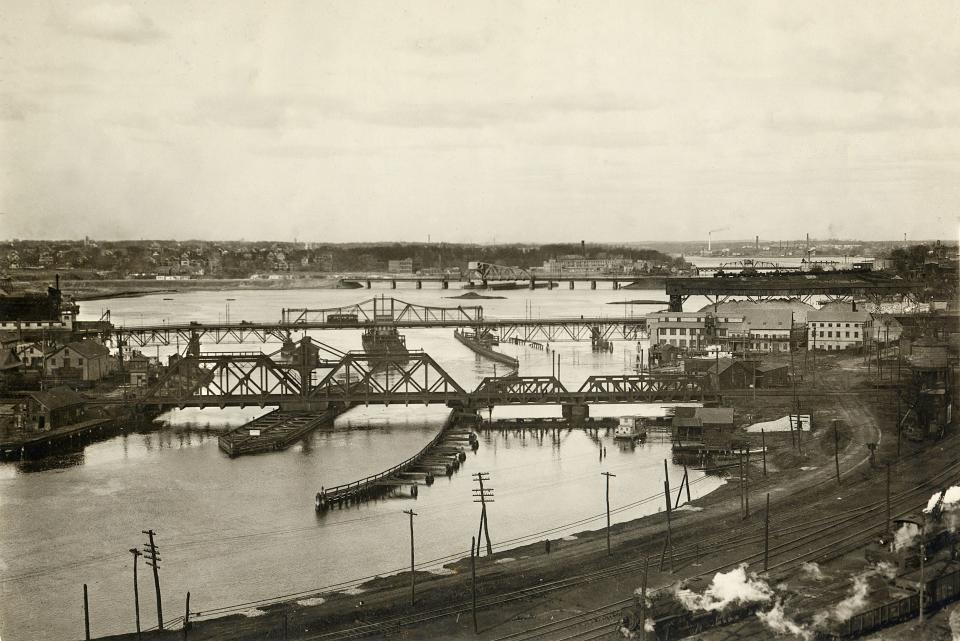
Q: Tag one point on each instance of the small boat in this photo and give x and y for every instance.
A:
(630, 429)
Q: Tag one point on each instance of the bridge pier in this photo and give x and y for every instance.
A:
(393, 284)
(419, 284)
(549, 284)
(444, 284)
(616, 285)
(368, 284)
(571, 284)
(593, 284)
(576, 412)
(676, 303)
(533, 283)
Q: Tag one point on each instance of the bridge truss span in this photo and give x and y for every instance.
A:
(413, 377)
(380, 310)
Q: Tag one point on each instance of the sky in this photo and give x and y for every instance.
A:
(482, 121)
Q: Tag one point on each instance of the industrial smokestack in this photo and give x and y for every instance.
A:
(709, 236)
(583, 249)
(756, 243)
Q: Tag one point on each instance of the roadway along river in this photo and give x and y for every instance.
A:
(233, 531)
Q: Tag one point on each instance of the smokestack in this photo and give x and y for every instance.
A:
(583, 249)
(709, 236)
(57, 281)
(757, 243)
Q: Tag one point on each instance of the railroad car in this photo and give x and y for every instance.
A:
(341, 319)
(941, 589)
(673, 621)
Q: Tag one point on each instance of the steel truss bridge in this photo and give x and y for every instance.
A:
(381, 312)
(245, 379)
(835, 286)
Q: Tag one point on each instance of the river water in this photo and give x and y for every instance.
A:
(237, 531)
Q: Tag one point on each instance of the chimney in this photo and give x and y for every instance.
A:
(757, 243)
(57, 282)
(583, 249)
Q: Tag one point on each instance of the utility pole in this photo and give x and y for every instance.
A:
(766, 535)
(888, 497)
(186, 617)
(923, 553)
(136, 589)
(413, 576)
(473, 579)
(763, 446)
(666, 490)
(86, 614)
(746, 482)
(151, 555)
(608, 475)
(836, 448)
(483, 496)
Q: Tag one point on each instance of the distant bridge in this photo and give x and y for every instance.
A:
(245, 379)
(835, 286)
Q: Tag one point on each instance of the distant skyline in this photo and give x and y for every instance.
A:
(472, 122)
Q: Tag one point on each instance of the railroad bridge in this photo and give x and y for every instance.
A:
(835, 286)
(377, 311)
(303, 380)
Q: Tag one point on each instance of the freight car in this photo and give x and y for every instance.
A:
(341, 319)
(941, 589)
(672, 621)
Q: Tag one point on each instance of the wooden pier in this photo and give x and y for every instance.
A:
(441, 456)
(471, 342)
(274, 431)
(25, 444)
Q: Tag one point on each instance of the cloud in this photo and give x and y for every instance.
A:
(447, 45)
(116, 22)
(14, 108)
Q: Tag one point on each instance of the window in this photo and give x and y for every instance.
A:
(821, 334)
(683, 342)
(848, 333)
(673, 331)
(829, 324)
(79, 362)
(856, 334)
(829, 334)
(683, 332)
(848, 324)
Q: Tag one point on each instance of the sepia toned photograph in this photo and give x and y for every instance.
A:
(528, 320)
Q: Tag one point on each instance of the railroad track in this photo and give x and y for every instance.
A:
(852, 526)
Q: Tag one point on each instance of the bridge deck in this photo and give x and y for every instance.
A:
(277, 430)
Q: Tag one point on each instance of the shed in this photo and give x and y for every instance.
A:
(53, 408)
(772, 375)
(711, 426)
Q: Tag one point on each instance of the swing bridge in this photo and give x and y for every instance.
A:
(302, 379)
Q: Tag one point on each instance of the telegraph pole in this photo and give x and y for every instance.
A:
(483, 496)
(836, 448)
(766, 534)
(608, 475)
(86, 614)
(413, 576)
(151, 555)
(473, 579)
(136, 590)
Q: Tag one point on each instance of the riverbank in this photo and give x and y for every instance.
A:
(81, 290)
(794, 481)
(529, 571)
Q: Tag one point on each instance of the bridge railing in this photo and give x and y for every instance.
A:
(347, 488)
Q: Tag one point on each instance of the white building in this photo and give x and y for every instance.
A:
(834, 329)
